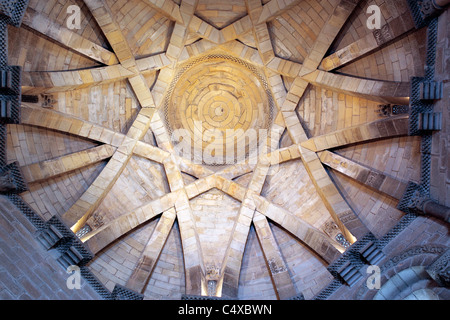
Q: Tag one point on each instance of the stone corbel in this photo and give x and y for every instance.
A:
(11, 179)
(416, 201)
(432, 8)
(440, 269)
(122, 293)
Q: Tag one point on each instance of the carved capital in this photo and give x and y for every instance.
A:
(123, 293)
(440, 269)
(430, 8)
(11, 179)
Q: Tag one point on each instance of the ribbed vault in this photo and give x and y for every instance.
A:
(102, 157)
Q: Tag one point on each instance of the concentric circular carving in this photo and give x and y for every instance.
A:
(220, 106)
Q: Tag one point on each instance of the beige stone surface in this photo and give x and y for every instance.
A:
(264, 227)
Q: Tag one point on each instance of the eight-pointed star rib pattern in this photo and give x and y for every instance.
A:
(220, 277)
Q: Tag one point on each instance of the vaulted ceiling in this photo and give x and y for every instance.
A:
(104, 159)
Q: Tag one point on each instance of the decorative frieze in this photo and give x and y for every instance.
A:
(297, 297)
(13, 11)
(389, 110)
(122, 293)
(197, 297)
(431, 90)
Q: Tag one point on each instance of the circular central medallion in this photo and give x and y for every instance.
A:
(218, 106)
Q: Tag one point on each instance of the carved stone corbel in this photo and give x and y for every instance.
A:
(427, 206)
(432, 8)
(440, 269)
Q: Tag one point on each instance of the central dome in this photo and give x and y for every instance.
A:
(217, 109)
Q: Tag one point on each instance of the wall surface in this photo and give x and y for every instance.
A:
(266, 231)
(27, 270)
